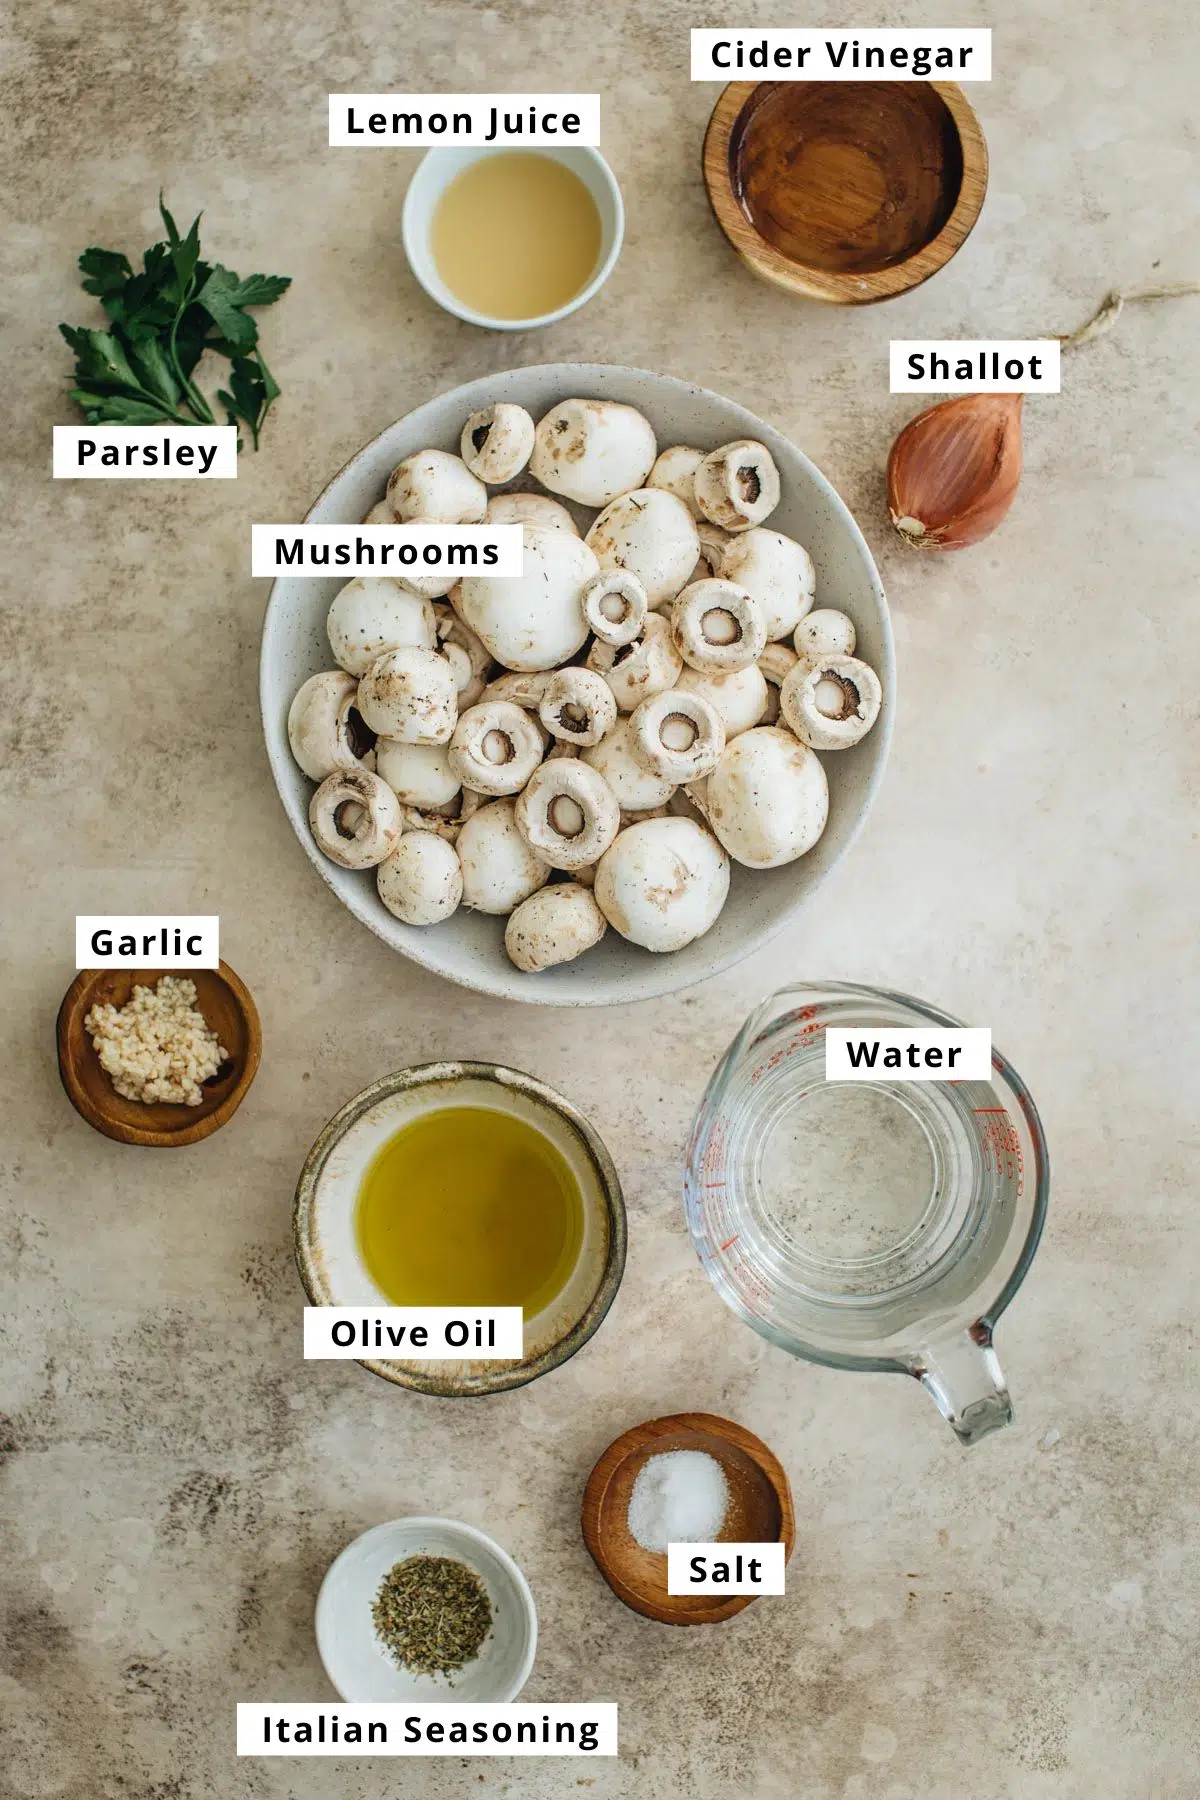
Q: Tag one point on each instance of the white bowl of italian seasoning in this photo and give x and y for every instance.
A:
(426, 1609)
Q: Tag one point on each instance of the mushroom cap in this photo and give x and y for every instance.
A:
(592, 450)
(650, 533)
(635, 671)
(678, 735)
(497, 442)
(831, 704)
(662, 883)
(740, 697)
(499, 869)
(373, 614)
(767, 799)
(825, 632)
(438, 488)
(554, 925)
(615, 605)
(578, 707)
(421, 881)
(356, 819)
(568, 813)
(418, 774)
(718, 627)
(411, 695)
(777, 571)
(495, 748)
(737, 485)
(530, 509)
(636, 787)
(320, 726)
(534, 620)
(675, 470)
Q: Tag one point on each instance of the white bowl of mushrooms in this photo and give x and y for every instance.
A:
(624, 770)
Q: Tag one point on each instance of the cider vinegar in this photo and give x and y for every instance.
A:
(515, 235)
(466, 1206)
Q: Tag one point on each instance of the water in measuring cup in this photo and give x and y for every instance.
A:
(857, 1195)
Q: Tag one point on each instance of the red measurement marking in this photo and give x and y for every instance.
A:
(730, 1242)
(989, 1109)
(714, 1184)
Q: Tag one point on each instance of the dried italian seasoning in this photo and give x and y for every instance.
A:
(433, 1614)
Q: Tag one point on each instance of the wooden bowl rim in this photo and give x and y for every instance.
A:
(618, 1452)
(822, 284)
(69, 1029)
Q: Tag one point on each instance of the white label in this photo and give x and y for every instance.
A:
(975, 366)
(414, 1333)
(386, 549)
(725, 1568)
(145, 452)
(927, 1054)
(875, 54)
(430, 1729)
(147, 941)
(462, 120)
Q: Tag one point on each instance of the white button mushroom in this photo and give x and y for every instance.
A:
(499, 869)
(530, 509)
(678, 735)
(533, 620)
(592, 450)
(373, 614)
(737, 485)
(662, 883)
(418, 774)
(713, 543)
(355, 817)
(380, 514)
(777, 571)
(825, 632)
(832, 704)
(675, 470)
(411, 695)
(636, 786)
(776, 662)
(741, 698)
(525, 690)
(651, 534)
(421, 881)
(437, 488)
(568, 814)
(634, 671)
(615, 606)
(767, 799)
(325, 728)
(555, 925)
(497, 442)
(718, 627)
(578, 707)
(467, 655)
(495, 748)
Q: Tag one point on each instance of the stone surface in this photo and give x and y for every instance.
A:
(1018, 1623)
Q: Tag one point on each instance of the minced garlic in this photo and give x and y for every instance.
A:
(157, 1046)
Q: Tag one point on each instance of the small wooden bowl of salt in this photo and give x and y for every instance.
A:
(746, 1498)
(227, 1007)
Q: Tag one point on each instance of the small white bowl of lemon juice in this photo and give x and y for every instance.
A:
(512, 239)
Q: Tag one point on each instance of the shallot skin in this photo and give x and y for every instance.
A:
(954, 470)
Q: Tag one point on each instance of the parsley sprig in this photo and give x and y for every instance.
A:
(162, 319)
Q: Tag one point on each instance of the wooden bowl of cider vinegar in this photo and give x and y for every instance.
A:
(845, 191)
(464, 1185)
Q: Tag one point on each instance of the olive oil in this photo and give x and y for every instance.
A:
(515, 235)
(466, 1206)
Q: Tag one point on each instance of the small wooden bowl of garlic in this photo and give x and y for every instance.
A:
(158, 1057)
(609, 777)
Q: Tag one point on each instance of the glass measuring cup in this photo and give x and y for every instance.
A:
(868, 1225)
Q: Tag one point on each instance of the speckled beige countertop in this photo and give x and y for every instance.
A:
(1017, 1623)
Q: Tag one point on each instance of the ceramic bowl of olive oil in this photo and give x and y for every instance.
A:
(464, 1185)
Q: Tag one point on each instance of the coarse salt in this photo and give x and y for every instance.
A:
(679, 1497)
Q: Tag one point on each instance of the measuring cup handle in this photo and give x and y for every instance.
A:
(965, 1380)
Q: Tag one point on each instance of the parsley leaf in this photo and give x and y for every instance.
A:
(162, 319)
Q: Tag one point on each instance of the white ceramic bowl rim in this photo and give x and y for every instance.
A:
(414, 233)
(642, 976)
